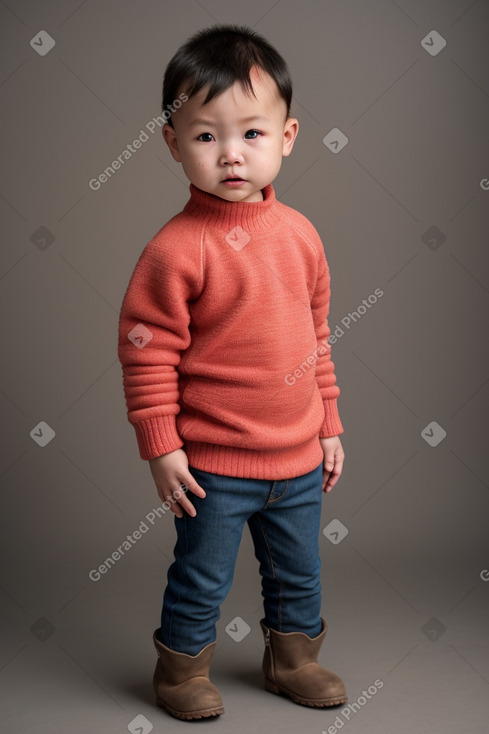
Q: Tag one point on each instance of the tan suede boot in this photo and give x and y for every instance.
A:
(290, 667)
(181, 683)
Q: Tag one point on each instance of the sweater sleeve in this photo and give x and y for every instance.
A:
(325, 375)
(153, 331)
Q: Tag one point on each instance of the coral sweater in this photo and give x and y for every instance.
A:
(223, 340)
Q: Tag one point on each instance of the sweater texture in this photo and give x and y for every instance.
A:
(223, 340)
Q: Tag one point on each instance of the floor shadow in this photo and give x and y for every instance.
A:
(141, 690)
(251, 678)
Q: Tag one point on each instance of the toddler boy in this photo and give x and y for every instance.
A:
(228, 377)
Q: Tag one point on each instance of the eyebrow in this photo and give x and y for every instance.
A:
(200, 121)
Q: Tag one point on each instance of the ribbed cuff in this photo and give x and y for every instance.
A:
(157, 436)
(332, 425)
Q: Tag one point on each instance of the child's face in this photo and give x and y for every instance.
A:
(233, 135)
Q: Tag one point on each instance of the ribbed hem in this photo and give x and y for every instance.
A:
(332, 425)
(252, 216)
(156, 436)
(251, 464)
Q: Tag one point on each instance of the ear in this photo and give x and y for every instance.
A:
(170, 139)
(291, 129)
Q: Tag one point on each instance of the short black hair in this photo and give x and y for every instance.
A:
(219, 56)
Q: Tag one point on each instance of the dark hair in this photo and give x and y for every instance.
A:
(219, 56)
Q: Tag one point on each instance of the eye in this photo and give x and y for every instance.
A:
(207, 140)
(252, 134)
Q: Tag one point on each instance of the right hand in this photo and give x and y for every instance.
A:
(169, 471)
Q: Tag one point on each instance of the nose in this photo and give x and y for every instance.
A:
(231, 154)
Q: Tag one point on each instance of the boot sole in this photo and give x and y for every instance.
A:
(312, 703)
(188, 715)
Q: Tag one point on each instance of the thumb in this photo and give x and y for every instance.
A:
(328, 464)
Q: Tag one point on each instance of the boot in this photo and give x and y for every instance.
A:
(181, 683)
(290, 667)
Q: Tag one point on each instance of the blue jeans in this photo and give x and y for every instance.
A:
(284, 520)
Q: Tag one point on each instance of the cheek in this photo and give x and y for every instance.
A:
(200, 159)
(273, 148)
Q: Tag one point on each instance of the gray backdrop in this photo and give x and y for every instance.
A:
(402, 207)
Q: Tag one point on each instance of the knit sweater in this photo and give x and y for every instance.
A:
(223, 340)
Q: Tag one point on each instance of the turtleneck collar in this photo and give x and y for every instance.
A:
(223, 214)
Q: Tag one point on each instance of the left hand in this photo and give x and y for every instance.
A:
(333, 461)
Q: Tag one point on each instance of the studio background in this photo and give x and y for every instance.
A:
(401, 207)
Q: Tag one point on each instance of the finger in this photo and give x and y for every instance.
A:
(327, 479)
(189, 484)
(333, 466)
(327, 469)
(177, 510)
(172, 500)
(333, 478)
(327, 486)
(181, 497)
(184, 503)
(180, 503)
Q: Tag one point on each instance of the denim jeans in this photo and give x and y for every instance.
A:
(284, 520)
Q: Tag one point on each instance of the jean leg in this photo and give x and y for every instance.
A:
(285, 534)
(201, 575)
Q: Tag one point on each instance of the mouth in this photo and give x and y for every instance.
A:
(233, 178)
